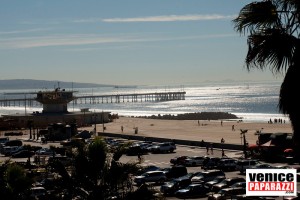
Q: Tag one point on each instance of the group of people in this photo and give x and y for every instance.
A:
(210, 147)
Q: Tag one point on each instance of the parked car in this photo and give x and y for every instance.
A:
(163, 147)
(211, 163)
(45, 151)
(23, 154)
(175, 171)
(151, 176)
(13, 143)
(227, 164)
(148, 168)
(178, 160)
(194, 161)
(72, 142)
(136, 150)
(9, 150)
(205, 176)
(65, 160)
(169, 188)
(216, 180)
(38, 192)
(192, 191)
(242, 165)
(239, 184)
(260, 166)
(226, 183)
(227, 193)
(3, 140)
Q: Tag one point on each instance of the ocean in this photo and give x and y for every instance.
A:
(253, 101)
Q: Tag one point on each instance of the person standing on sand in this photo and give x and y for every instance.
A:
(207, 149)
(232, 128)
(222, 141)
(122, 129)
(211, 149)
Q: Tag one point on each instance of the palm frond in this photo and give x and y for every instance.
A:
(255, 16)
(272, 48)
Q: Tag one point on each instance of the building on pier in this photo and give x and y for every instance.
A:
(55, 110)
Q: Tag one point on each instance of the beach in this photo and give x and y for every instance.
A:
(207, 130)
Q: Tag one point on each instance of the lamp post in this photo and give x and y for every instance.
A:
(95, 123)
(103, 121)
(243, 132)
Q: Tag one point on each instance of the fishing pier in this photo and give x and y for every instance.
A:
(99, 99)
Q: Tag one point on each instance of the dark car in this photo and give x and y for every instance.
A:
(239, 184)
(218, 179)
(211, 163)
(192, 191)
(175, 171)
(136, 150)
(169, 188)
(23, 154)
(226, 183)
(14, 143)
(205, 176)
(148, 168)
(228, 164)
(178, 160)
(227, 193)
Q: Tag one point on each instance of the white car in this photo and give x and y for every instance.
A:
(194, 161)
(45, 151)
(38, 192)
(164, 147)
(151, 176)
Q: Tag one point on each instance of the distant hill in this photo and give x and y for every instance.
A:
(42, 84)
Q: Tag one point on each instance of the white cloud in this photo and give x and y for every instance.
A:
(24, 31)
(61, 40)
(162, 18)
(170, 18)
(88, 39)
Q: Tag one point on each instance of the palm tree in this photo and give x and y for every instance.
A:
(273, 42)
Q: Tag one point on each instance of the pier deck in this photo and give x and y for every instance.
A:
(97, 99)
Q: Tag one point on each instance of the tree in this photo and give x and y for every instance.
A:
(17, 182)
(273, 42)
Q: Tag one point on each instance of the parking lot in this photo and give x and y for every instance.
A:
(162, 160)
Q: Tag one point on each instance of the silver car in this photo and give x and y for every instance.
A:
(151, 176)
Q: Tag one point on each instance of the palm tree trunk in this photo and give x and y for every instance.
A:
(289, 103)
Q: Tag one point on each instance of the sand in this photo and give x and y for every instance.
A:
(209, 131)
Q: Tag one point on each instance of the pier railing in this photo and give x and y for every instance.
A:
(97, 99)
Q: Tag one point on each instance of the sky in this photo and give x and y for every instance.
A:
(124, 42)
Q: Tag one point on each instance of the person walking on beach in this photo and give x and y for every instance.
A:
(232, 128)
(221, 122)
(139, 157)
(122, 129)
(211, 149)
(222, 141)
(207, 149)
